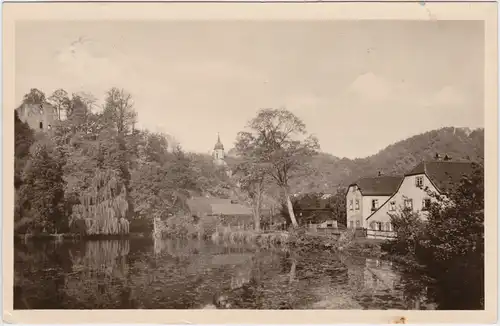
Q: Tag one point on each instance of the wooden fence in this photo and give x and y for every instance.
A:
(377, 234)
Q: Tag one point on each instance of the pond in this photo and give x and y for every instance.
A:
(195, 274)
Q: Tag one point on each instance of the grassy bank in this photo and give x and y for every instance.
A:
(249, 236)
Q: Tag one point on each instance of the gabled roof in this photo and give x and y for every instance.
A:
(378, 186)
(230, 209)
(444, 175)
(202, 205)
(216, 206)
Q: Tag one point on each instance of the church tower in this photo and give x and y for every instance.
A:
(219, 152)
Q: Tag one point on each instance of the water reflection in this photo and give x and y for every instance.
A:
(180, 274)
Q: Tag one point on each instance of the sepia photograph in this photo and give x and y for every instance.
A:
(257, 164)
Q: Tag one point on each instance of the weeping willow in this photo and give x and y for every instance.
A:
(103, 206)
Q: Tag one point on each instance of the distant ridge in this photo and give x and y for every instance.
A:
(331, 172)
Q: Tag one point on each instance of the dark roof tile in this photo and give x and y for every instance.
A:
(445, 175)
(378, 186)
(216, 206)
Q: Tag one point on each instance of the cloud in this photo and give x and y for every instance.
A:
(371, 87)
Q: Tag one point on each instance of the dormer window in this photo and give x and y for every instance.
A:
(419, 181)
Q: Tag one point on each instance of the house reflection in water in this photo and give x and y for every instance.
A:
(371, 274)
(378, 278)
(240, 277)
(379, 275)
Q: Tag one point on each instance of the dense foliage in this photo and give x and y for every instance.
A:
(41, 193)
(277, 145)
(94, 173)
(450, 243)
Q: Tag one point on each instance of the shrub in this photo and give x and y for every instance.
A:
(410, 230)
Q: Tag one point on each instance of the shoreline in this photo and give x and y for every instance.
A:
(70, 236)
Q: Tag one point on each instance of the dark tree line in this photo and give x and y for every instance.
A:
(93, 172)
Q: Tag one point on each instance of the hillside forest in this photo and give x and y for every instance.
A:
(94, 172)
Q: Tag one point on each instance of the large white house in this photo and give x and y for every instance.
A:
(366, 195)
(413, 191)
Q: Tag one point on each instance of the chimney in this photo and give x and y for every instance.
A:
(379, 173)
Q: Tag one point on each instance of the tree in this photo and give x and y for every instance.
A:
(60, 101)
(161, 187)
(119, 118)
(156, 148)
(24, 138)
(338, 206)
(103, 206)
(119, 111)
(252, 179)
(455, 244)
(278, 141)
(78, 112)
(211, 179)
(409, 229)
(42, 192)
(35, 96)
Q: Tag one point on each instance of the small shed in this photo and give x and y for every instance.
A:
(229, 212)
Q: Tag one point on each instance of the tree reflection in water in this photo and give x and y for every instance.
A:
(180, 274)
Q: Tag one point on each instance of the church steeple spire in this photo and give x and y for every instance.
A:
(218, 145)
(219, 151)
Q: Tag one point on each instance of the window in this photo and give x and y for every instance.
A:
(350, 205)
(357, 224)
(380, 226)
(409, 204)
(355, 188)
(351, 224)
(388, 226)
(419, 181)
(357, 204)
(41, 125)
(392, 206)
(373, 225)
(374, 204)
(426, 204)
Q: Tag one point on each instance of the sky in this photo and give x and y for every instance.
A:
(359, 86)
